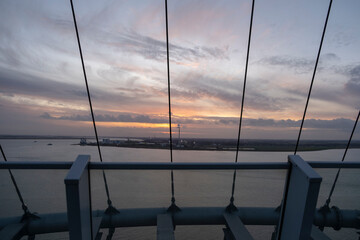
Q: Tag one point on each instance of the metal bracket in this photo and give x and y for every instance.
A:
(237, 228)
(165, 227)
(78, 199)
(299, 202)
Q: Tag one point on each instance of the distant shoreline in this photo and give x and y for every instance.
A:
(259, 149)
(200, 144)
(6, 136)
(246, 145)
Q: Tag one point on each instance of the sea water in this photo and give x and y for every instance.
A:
(44, 190)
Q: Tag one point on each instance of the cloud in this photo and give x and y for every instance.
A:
(338, 123)
(151, 48)
(339, 84)
(16, 83)
(20, 83)
(330, 57)
(343, 38)
(299, 65)
(124, 117)
(355, 72)
(194, 86)
(352, 86)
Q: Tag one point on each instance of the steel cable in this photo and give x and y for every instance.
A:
(231, 205)
(110, 209)
(342, 160)
(23, 205)
(313, 77)
(173, 207)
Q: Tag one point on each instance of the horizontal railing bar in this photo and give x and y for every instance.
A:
(172, 166)
(339, 164)
(35, 165)
(189, 166)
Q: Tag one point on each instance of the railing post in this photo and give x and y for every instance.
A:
(78, 199)
(299, 202)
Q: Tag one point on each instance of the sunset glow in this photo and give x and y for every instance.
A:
(132, 124)
(42, 88)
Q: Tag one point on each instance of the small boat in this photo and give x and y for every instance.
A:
(49, 144)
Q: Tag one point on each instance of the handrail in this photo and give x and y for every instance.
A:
(173, 166)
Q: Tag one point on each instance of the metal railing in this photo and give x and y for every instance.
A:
(85, 224)
(173, 166)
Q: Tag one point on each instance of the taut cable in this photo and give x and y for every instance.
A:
(27, 213)
(173, 207)
(342, 160)
(313, 77)
(231, 207)
(110, 209)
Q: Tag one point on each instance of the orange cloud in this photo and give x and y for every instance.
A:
(132, 124)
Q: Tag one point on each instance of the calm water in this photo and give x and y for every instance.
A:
(44, 190)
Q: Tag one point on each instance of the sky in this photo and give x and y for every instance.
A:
(42, 88)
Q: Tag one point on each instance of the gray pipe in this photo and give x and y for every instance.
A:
(57, 222)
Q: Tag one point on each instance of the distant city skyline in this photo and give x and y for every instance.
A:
(42, 90)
